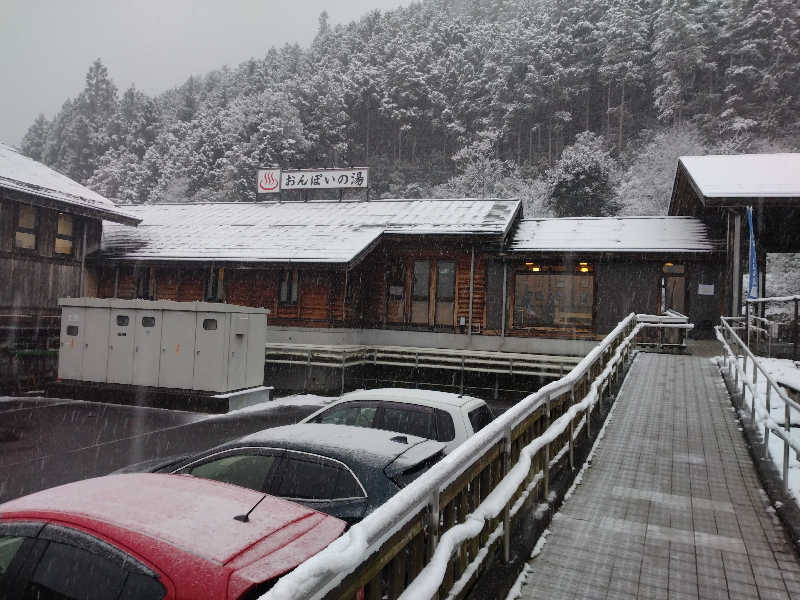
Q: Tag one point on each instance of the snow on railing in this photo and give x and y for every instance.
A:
(759, 414)
(433, 535)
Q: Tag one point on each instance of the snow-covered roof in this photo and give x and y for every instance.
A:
(745, 175)
(612, 234)
(311, 232)
(22, 174)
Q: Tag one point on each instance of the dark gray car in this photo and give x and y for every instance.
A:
(341, 470)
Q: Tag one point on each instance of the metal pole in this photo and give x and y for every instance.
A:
(344, 297)
(505, 300)
(787, 425)
(471, 287)
(747, 322)
(116, 281)
(736, 275)
(766, 425)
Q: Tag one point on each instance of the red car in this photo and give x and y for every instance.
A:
(150, 536)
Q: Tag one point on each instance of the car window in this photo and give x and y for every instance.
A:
(407, 418)
(351, 413)
(70, 573)
(141, 587)
(9, 546)
(309, 477)
(246, 470)
(479, 418)
(445, 429)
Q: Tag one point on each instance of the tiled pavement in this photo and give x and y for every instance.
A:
(671, 506)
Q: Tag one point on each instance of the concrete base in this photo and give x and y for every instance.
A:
(245, 398)
(173, 399)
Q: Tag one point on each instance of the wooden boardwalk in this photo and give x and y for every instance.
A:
(671, 506)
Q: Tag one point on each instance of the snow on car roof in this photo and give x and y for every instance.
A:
(22, 174)
(313, 232)
(411, 396)
(745, 175)
(189, 513)
(612, 234)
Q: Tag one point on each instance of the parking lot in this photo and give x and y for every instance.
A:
(48, 442)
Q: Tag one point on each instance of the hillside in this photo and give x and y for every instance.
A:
(450, 97)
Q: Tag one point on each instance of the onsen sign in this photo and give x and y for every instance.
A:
(269, 181)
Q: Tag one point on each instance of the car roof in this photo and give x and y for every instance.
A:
(412, 396)
(375, 448)
(191, 514)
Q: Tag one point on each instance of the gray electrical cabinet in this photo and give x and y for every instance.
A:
(198, 346)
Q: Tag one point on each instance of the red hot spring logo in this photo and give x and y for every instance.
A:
(269, 181)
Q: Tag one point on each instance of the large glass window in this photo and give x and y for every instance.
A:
(287, 292)
(555, 296)
(309, 477)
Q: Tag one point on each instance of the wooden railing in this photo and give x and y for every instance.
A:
(436, 535)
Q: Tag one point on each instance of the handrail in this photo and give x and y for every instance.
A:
(430, 531)
(736, 372)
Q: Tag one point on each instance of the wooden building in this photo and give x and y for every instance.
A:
(717, 189)
(48, 224)
(428, 273)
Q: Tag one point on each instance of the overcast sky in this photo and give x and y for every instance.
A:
(46, 46)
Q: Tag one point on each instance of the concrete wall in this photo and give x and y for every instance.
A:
(424, 339)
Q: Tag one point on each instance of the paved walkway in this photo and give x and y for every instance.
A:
(671, 506)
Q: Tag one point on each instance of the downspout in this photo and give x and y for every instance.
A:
(505, 300)
(471, 289)
(116, 280)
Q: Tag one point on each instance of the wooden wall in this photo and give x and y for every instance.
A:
(35, 279)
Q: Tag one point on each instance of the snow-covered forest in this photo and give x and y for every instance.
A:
(546, 100)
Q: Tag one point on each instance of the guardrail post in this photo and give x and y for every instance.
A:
(766, 423)
(506, 508)
(547, 449)
(747, 322)
(787, 425)
(572, 430)
(755, 391)
(308, 372)
(433, 538)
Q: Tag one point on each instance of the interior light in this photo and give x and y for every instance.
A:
(669, 264)
(584, 264)
(528, 264)
(536, 269)
(584, 269)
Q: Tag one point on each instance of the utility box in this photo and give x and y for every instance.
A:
(198, 346)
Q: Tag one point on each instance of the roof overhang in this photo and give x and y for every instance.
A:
(47, 199)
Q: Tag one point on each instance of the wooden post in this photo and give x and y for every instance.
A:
(471, 289)
(794, 332)
(83, 260)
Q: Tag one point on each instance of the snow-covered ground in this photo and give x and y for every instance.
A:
(781, 371)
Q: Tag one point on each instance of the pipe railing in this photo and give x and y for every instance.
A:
(738, 375)
(434, 536)
(751, 322)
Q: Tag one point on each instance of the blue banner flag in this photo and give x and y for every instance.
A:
(752, 288)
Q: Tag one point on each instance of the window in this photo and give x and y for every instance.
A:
(351, 413)
(72, 330)
(420, 291)
(247, 470)
(445, 292)
(148, 321)
(214, 291)
(210, 324)
(554, 296)
(311, 477)
(123, 320)
(445, 429)
(9, 546)
(65, 237)
(27, 224)
(143, 283)
(287, 292)
(407, 418)
(479, 418)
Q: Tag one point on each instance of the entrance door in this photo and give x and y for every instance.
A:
(70, 354)
(237, 352)
(95, 338)
(673, 288)
(396, 293)
(445, 293)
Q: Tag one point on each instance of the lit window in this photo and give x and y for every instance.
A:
(64, 242)
(27, 222)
